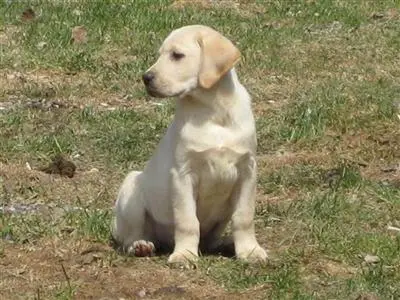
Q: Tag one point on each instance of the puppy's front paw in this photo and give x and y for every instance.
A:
(255, 254)
(184, 259)
(141, 248)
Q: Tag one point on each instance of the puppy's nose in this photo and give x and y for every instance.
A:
(148, 77)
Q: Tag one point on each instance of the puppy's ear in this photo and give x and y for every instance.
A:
(219, 55)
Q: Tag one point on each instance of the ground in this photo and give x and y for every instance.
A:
(325, 81)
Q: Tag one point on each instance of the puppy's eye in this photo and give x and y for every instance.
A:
(177, 56)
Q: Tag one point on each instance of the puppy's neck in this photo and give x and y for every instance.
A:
(215, 104)
(222, 95)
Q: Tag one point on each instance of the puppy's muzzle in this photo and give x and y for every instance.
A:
(148, 78)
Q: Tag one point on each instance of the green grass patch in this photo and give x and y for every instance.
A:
(323, 75)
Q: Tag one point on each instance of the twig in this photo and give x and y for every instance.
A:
(393, 228)
(67, 278)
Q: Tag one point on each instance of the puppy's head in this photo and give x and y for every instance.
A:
(191, 57)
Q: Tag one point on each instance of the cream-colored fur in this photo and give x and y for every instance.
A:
(203, 173)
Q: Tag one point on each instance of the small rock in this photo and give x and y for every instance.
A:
(141, 293)
(371, 259)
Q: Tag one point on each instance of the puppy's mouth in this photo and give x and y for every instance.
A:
(154, 93)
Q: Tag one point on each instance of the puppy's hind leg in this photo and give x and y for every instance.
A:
(129, 224)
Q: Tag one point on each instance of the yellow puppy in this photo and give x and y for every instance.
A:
(203, 173)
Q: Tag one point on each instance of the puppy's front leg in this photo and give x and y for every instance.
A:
(246, 245)
(187, 228)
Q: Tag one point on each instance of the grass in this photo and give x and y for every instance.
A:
(324, 80)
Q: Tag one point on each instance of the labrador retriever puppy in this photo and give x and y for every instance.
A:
(203, 173)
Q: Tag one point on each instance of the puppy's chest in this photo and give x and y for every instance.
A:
(215, 171)
(217, 164)
(215, 155)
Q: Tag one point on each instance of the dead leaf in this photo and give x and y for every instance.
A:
(79, 35)
(28, 15)
(60, 165)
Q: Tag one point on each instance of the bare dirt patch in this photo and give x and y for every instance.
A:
(25, 186)
(94, 274)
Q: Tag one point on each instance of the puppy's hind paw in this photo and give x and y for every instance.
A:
(141, 248)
